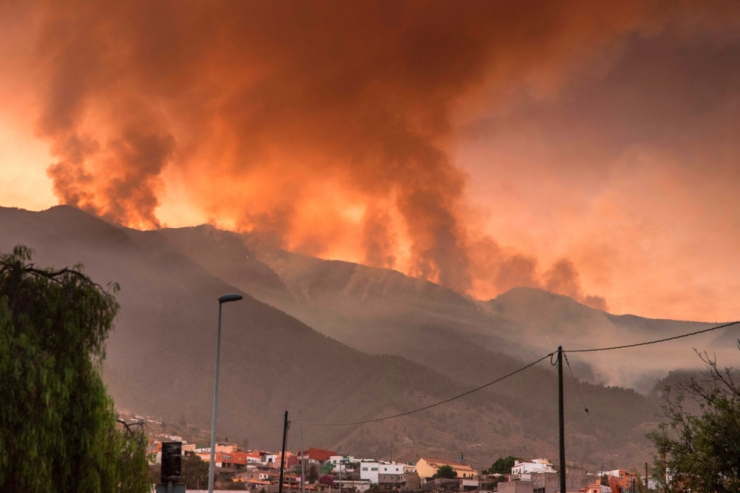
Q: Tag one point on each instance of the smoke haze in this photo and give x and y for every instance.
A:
(329, 127)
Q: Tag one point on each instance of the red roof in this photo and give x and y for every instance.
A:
(319, 454)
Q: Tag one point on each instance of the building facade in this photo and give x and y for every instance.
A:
(428, 467)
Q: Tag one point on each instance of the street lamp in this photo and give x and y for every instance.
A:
(224, 298)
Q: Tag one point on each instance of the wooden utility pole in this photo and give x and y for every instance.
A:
(646, 477)
(561, 418)
(303, 458)
(282, 456)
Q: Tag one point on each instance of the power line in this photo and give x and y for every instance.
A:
(651, 342)
(578, 388)
(424, 408)
(550, 355)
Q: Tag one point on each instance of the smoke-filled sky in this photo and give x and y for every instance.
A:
(588, 148)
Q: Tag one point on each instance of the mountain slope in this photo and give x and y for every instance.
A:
(398, 342)
(161, 354)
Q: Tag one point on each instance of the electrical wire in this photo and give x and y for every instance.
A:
(652, 342)
(550, 355)
(445, 401)
(578, 388)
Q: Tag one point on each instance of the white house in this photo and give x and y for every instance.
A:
(391, 468)
(525, 469)
(369, 471)
(372, 470)
(341, 463)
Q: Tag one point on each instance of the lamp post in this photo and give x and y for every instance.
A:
(224, 298)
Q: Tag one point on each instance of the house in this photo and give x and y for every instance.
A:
(267, 458)
(369, 471)
(226, 448)
(232, 460)
(290, 459)
(384, 473)
(315, 455)
(360, 485)
(263, 475)
(392, 468)
(427, 467)
(342, 463)
(626, 478)
(391, 475)
(524, 470)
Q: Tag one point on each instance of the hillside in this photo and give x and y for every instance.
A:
(395, 343)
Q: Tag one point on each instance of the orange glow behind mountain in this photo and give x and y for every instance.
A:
(446, 140)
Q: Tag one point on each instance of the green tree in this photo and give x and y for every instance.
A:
(698, 451)
(58, 429)
(640, 483)
(194, 472)
(502, 465)
(445, 472)
(313, 474)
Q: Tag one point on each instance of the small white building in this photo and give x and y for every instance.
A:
(341, 463)
(372, 470)
(391, 468)
(369, 471)
(525, 469)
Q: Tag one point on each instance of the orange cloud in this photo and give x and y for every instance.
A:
(328, 126)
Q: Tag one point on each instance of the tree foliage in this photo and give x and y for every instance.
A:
(700, 452)
(502, 465)
(326, 479)
(194, 471)
(445, 472)
(313, 474)
(58, 429)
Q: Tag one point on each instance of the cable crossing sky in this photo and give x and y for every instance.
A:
(525, 367)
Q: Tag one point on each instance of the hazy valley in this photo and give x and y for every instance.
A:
(345, 342)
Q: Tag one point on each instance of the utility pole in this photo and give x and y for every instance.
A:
(282, 456)
(561, 418)
(303, 457)
(646, 477)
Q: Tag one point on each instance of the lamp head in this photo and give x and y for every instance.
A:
(225, 298)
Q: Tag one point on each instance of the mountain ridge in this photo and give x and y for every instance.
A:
(365, 342)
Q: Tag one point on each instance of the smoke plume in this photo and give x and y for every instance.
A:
(327, 125)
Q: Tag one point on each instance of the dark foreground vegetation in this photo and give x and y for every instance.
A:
(58, 428)
(698, 447)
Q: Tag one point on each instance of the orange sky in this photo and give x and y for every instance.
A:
(587, 148)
